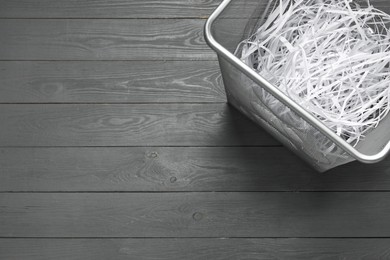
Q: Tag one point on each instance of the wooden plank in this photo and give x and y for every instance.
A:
(128, 125)
(107, 9)
(178, 169)
(193, 248)
(124, 8)
(110, 82)
(211, 214)
(103, 39)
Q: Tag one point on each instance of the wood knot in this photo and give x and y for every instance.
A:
(173, 179)
(197, 216)
(153, 155)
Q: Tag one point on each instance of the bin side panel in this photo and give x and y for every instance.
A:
(286, 126)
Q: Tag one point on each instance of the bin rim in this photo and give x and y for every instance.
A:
(240, 65)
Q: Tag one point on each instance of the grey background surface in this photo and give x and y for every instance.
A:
(116, 142)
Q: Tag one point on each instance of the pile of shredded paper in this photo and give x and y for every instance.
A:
(331, 57)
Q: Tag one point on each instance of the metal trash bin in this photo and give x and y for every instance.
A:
(234, 21)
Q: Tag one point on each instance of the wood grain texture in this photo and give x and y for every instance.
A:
(107, 9)
(194, 249)
(344, 214)
(110, 82)
(123, 8)
(178, 169)
(128, 125)
(103, 39)
(149, 178)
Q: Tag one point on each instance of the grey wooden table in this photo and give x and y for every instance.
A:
(116, 142)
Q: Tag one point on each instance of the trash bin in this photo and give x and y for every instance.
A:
(232, 22)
